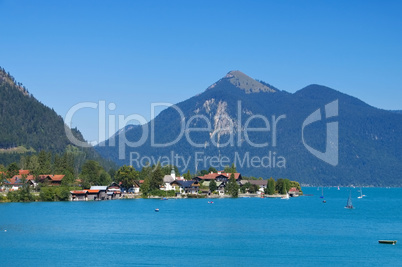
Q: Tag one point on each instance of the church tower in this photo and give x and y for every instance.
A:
(173, 173)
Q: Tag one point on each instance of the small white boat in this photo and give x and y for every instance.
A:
(156, 210)
(361, 194)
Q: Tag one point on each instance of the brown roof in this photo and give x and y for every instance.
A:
(256, 182)
(57, 177)
(213, 176)
(29, 177)
(24, 172)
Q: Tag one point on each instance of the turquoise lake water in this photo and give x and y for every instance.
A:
(190, 232)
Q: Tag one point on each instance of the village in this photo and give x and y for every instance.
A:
(211, 185)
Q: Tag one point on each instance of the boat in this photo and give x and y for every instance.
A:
(210, 202)
(361, 194)
(339, 188)
(322, 192)
(349, 204)
(156, 210)
(287, 194)
(390, 242)
(324, 201)
(164, 198)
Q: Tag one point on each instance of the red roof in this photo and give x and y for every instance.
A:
(293, 189)
(24, 172)
(57, 177)
(93, 191)
(78, 192)
(213, 176)
(29, 177)
(14, 180)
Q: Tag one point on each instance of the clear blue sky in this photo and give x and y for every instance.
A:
(133, 53)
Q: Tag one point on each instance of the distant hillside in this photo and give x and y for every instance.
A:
(397, 111)
(27, 125)
(369, 138)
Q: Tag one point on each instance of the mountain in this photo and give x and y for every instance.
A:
(261, 129)
(28, 126)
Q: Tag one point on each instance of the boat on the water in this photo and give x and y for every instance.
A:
(322, 192)
(156, 210)
(390, 242)
(349, 204)
(287, 194)
(361, 194)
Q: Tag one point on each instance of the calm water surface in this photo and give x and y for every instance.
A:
(191, 232)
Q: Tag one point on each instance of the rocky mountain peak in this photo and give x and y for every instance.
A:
(246, 83)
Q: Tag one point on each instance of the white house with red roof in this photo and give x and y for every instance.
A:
(220, 176)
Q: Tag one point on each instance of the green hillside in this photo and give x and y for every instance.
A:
(27, 126)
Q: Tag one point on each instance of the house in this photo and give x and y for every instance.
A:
(167, 180)
(113, 191)
(97, 193)
(24, 172)
(218, 177)
(136, 188)
(294, 192)
(49, 179)
(114, 187)
(55, 180)
(17, 181)
(186, 187)
(14, 183)
(262, 184)
(220, 187)
(79, 195)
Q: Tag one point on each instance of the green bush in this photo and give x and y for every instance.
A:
(46, 194)
(54, 193)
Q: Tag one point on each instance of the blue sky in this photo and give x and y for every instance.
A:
(133, 53)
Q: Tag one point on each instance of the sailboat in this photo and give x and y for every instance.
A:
(349, 204)
(322, 193)
(361, 194)
(287, 194)
(339, 188)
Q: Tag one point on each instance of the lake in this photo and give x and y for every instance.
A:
(191, 232)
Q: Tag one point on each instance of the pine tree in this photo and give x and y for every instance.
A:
(156, 177)
(188, 175)
(212, 186)
(271, 186)
(232, 186)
